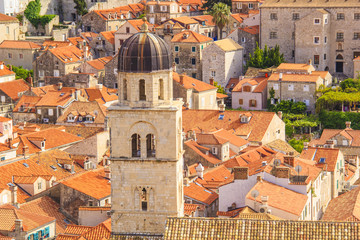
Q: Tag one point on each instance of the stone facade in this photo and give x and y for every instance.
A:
(220, 64)
(93, 22)
(239, 6)
(111, 67)
(103, 46)
(157, 12)
(9, 30)
(77, 80)
(19, 56)
(313, 31)
(247, 39)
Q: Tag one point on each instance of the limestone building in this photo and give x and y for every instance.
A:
(325, 31)
(146, 139)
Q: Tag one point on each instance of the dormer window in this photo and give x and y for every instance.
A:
(247, 88)
(71, 118)
(39, 186)
(243, 119)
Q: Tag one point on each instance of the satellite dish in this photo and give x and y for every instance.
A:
(254, 193)
(277, 162)
(298, 169)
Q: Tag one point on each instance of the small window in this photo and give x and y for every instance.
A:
(241, 101)
(243, 39)
(357, 35)
(213, 73)
(238, 5)
(193, 49)
(276, 86)
(325, 39)
(252, 103)
(247, 89)
(316, 40)
(324, 56)
(21, 56)
(326, 21)
(306, 88)
(291, 87)
(144, 201)
(193, 75)
(214, 150)
(345, 142)
(9, 55)
(177, 60)
(193, 61)
(356, 16)
(273, 16)
(317, 21)
(339, 36)
(127, 30)
(316, 59)
(273, 35)
(296, 16)
(176, 48)
(39, 186)
(251, 5)
(340, 16)
(50, 112)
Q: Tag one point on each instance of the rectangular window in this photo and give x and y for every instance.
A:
(243, 39)
(193, 61)
(39, 111)
(340, 16)
(193, 49)
(291, 87)
(273, 35)
(238, 5)
(127, 30)
(21, 56)
(325, 39)
(241, 101)
(296, 16)
(357, 35)
(252, 103)
(316, 40)
(273, 16)
(176, 48)
(251, 5)
(213, 73)
(56, 73)
(325, 20)
(193, 75)
(316, 21)
(316, 59)
(3, 100)
(51, 112)
(41, 73)
(307, 102)
(356, 16)
(276, 86)
(324, 56)
(306, 88)
(9, 55)
(7, 30)
(177, 60)
(202, 101)
(214, 150)
(345, 142)
(339, 36)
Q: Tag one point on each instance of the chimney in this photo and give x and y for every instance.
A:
(77, 94)
(182, 79)
(289, 160)
(99, 86)
(18, 225)
(280, 76)
(72, 171)
(279, 114)
(222, 107)
(10, 67)
(241, 173)
(9, 143)
(306, 145)
(348, 124)
(264, 200)
(26, 151)
(309, 62)
(13, 190)
(200, 170)
(185, 36)
(43, 145)
(212, 81)
(30, 81)
(259, 179)
(194, 135)
(59, 85)
(107, 173)
(86, 52)
(282, 172)
(187, 105)
(174, 67)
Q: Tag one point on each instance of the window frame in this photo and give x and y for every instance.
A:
(340, 16)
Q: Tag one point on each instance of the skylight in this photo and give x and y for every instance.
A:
(62, 94)
(322, 160)
(221, 117)
(53, 167)
(26, 165)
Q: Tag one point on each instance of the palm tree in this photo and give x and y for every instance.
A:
(220, 13)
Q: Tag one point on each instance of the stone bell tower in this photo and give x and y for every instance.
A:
(146, 139)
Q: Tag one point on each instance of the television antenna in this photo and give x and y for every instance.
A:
(298, 169)
(277, 162)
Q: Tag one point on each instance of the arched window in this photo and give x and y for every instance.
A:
(150, 145)
(125, 89)
(135, 145)
(339, 57)
(144, 200)
(161, 89)
(142, 95)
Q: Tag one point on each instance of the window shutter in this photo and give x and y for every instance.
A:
(255, 103)
(36, 236)
(47, 231)
(250, 103)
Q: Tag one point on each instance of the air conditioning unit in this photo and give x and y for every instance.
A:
(108, 213)
(263, 208)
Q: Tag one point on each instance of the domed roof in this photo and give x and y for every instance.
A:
(144, 52)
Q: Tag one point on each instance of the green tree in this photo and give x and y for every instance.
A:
(298, 145)
(265, 58)
(21, 72)
(81, 7)
(221, 15)
(32, 13)
(210, 3)
(220, 89)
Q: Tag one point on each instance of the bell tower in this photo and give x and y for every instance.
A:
(146, 139)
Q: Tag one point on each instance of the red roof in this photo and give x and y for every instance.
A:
(252, 30)
(189, 82)
(19, 44)
(6, 18)
(190, 37)
(200, 193)
(13, 88)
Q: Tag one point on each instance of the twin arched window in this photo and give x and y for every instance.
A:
(142, 93)
(136, 145)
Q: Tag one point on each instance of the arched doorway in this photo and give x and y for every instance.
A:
(339, 67)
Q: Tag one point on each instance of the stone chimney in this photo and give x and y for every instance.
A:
(348, 124)
(13, 190)
(222, 107)
(107, 173)
(309, 62)
(211, 81)
(280, 76)
(25, 151)
(182, 79)
(241, 173)
(289, 159)
(60, 85)
(282, 172)
(264, 200)
(30, 81)
(200, 170)
(306, 145)
(77, 94)
(280, 114)
(18, 225)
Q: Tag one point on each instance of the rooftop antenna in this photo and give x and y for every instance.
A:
(298, 169)
(277, 162)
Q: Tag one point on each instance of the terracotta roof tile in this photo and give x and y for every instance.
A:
(192, 83)
(68, 54)
(137, 23)
(77, 229)
(200, 194)
(214, 177)
(280, 197)
(330, 156)
(109, 36)
(48, 44)
(191, 37)
(6, 18)
(92, 183)
(208, 19)
(104, 93)
(55, 98)
(47, 207)
(189, 209)
(13, 88)
(240, 16)
(93, 108)
(228, 45)
(19, 44)
(26, 104)
(208, 157)
(294, 66)
(295, 77)
(252, 81)
(99, 63)
(210, 139)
